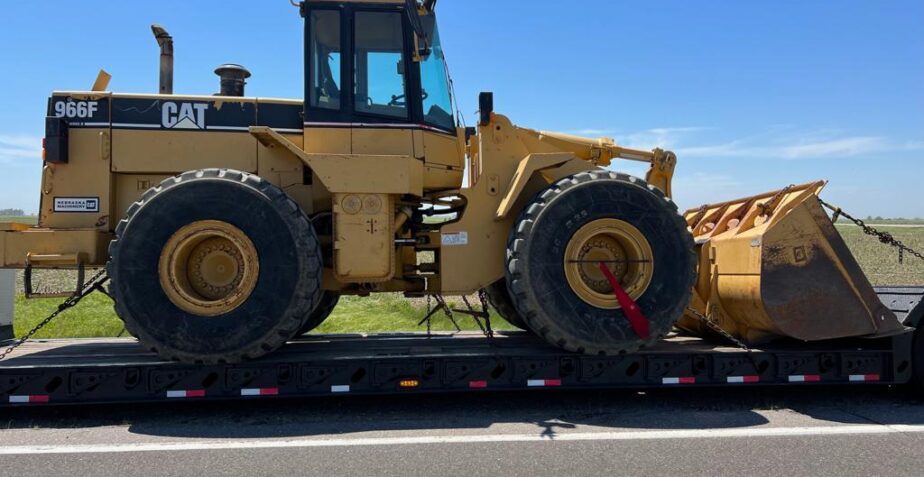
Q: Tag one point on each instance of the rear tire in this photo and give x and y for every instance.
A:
(571, 307)
(170, 268)
(321, 313)
(499, 297)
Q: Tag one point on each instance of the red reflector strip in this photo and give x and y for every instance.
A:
(30, 399)
(542, 383)
(191, 393)
(478, 384)
(743, 379)
(859, 378)
(340, 389)
(260, 392)
(805, 378)
(683, 380)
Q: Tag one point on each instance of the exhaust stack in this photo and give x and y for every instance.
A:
(165, 41)
(233, 79)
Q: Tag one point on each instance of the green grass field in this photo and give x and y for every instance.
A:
(94, 317)
(385, 313)
(21, 220)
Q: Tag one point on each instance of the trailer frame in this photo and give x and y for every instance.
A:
(94, 371)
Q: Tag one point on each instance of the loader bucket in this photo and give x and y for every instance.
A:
(774, 266)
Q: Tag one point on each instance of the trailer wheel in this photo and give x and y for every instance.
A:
(500, 299)
(214, 266)
(323, 311)
(559, 242)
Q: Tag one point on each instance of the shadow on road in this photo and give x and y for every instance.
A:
(548, 412)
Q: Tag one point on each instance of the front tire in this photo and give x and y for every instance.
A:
(559, 242)
(321, 313)
(500, 299)
(214, 266)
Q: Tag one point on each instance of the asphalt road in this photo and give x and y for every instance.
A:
(808, 431)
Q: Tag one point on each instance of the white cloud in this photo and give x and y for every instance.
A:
(18, 148)
(809, 145)
(666, 137)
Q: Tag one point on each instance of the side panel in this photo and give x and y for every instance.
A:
(77, 194)
(129, 188)
(383, 142)
(445, 161)
(157, 134)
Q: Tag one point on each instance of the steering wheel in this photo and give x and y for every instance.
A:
(396, 99)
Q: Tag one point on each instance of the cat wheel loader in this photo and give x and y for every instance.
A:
(229, 224)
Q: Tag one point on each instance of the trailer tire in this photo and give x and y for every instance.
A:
(217, 223)
(500, 299)
(321, 313)
(607, 215)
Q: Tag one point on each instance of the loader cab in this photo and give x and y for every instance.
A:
(376, 83)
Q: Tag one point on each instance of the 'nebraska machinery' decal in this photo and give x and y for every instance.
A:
(76, 204)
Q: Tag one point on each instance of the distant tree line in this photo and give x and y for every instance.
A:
(12, 212)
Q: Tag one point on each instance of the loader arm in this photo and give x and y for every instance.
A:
(601, 152)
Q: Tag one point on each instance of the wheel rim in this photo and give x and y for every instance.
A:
(209, 268)
(624, 251)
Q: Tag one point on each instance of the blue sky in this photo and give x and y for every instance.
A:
(752, 95)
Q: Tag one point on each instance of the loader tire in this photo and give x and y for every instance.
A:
(325, 307)
(214, 266)
(500, 299)
(600, 215)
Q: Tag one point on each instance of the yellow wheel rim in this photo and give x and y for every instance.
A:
(209, 268)
(624, 251)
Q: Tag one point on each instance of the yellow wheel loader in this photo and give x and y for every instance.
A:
(229, 224)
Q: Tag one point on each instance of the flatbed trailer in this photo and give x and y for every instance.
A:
(84, 371)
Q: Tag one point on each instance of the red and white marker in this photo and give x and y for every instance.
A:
(188, 393)
(864, 378)
(805, 378)
(743, 379)
(543, 383)
(260, 392)
(340, 388)
(33, 399)
(681, 380)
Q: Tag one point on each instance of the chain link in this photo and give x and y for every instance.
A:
(712, 325)
(94, 284)
(767, 207)
(883, 237)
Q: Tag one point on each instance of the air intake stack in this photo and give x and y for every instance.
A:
(233, 79)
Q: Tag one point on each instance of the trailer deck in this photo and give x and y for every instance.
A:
(120, 370)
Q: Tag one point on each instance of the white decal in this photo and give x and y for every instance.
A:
(76, 109)
(455, 239)
(184, 115)
(76, 204)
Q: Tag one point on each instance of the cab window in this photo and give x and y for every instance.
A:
(324, 53)
(434, 77)
(380, 86)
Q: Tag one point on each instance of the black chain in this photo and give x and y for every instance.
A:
(883, 237)
(718, 329)
(95, 284)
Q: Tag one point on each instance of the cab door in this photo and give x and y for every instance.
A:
(382, 112)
